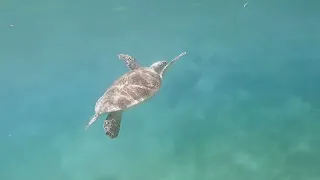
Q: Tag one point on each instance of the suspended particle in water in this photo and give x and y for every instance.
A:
(245, 3)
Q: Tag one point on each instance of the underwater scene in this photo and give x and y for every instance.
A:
(243, 103)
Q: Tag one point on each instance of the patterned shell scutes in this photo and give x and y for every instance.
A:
(129, 90)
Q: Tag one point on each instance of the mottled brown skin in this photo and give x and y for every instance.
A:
(112, 123)
(130, 89)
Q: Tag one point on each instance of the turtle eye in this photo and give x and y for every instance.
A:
(162, 63)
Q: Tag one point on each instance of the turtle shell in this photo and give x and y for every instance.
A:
(130, 89)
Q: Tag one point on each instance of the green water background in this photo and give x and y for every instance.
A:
(242, 105)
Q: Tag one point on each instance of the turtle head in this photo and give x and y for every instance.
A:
(159, 66)
(162, 66)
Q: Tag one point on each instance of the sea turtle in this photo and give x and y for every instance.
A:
(132, 88)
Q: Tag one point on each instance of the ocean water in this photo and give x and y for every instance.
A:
(243, 104)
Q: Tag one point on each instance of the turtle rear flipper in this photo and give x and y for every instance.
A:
(112, 124)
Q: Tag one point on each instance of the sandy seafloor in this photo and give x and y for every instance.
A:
(242, 105)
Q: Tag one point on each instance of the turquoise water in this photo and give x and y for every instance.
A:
(242, 105)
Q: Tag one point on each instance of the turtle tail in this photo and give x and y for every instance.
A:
(93, 119)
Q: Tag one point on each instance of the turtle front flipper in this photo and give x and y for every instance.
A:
(165, 68)
(112, 124)
(130, 61)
